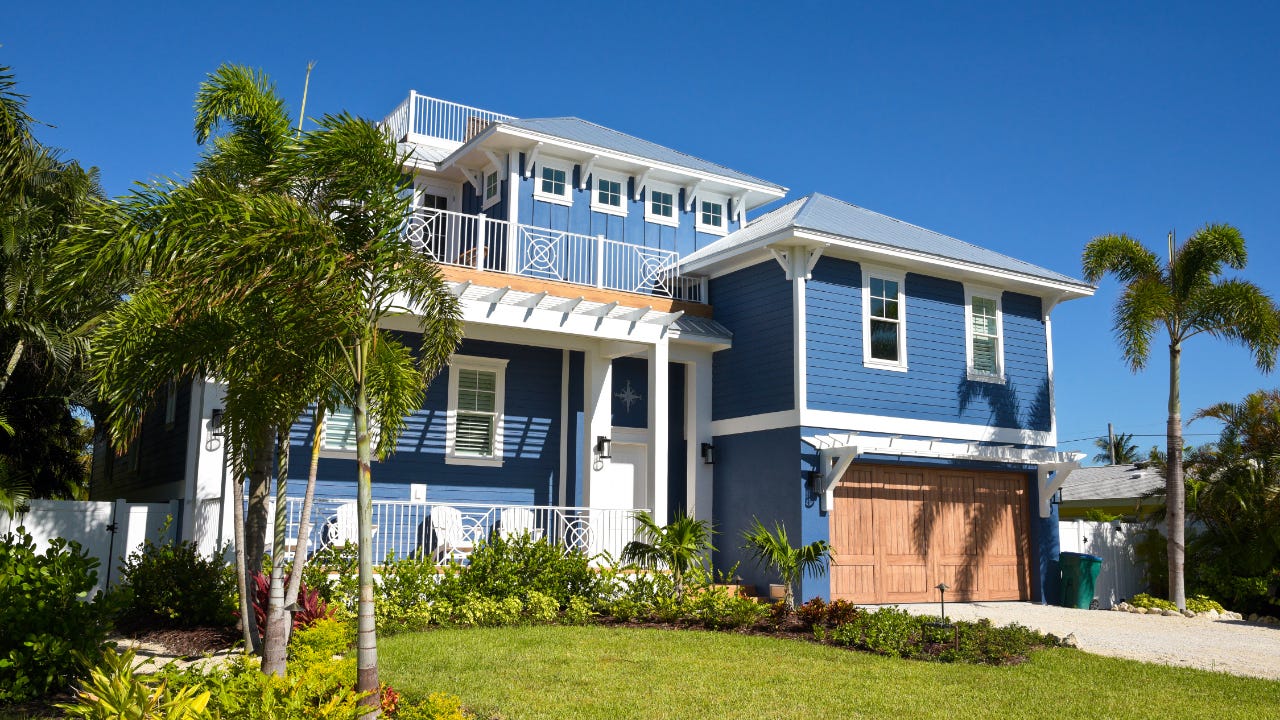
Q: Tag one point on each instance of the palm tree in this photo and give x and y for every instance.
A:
(791, 563)
(1123, 451)
(1187, 297)
(679, 546)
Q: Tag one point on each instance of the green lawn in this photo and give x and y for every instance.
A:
(602, 672)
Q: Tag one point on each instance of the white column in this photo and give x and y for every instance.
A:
(697, 424)
(659, 423)
(799, 258)
(598, 412)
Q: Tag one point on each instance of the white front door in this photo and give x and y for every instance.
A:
(624, 487)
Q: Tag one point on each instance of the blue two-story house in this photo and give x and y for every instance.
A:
(640, 335)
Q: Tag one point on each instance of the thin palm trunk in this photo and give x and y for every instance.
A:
(12, 365)
(304, 519)
(255, 527)
(1175, 489)
(277, 633)
(247, 621)
(366, 634)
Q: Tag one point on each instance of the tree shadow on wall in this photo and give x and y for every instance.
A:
(986, 508)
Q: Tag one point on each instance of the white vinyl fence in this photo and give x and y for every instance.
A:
(1121, 576)
(107, 530)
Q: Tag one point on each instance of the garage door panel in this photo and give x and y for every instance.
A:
(898, 532)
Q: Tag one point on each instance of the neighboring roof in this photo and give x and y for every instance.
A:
(588, 133)
(422, 153)
(821, 213)
(1110, 482)
(703, 327)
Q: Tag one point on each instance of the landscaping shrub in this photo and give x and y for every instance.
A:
(1203, 603)
(812, 613)
(579, 611)
(48, 625)
(437, 706)
(888, 631)
(404, 597)
(1144, 600)
(321, 641)
(342, 561)
(840, 612)
(540, 608)
(320, 689)
(500, 568)
(313, 609)
(113, 691)
(172, 585)
(895, 632)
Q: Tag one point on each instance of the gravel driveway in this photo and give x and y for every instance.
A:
(1236, 647)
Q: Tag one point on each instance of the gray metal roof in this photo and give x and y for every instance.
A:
(1110, 482)
(821, 213)
(588, 133)
(422, 153)
(704, 327)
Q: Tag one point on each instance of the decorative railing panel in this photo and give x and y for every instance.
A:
(432, 117)
(483, 243)
(405, 529)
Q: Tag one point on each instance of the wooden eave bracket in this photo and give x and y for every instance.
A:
(797, 261)
(495, 161)
(689, 190)
(641, 179)
(473, 177)
(740, 208)
(834, 463)
(532, 158)
(1050, 485)
(586, 170)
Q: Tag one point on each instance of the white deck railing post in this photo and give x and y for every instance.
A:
(413, 111)
(599, 261)
(482, 233)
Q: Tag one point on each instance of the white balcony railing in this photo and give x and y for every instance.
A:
(483, 243)
(404, 529)
(422, 115)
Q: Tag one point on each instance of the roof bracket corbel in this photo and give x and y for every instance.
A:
(667, 319)
(530, 159)
(568, 306)
(602, 311)
(460, 288)
(740, 208)
(495, 161)
(1047, 485)
(689, 190)
(641, 179)
(635, 315)
(833, 464)
(532, 301)
(473, 177)
(586, 170)
(496, 296)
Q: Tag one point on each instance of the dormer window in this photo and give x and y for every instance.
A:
(553, 183)
(609, 193)
(710, 215)
(661, 205)
(491, 188)
(983, 342)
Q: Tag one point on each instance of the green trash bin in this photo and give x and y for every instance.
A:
(1079, 573)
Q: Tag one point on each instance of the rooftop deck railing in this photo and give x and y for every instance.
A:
(406, 529)
(422, 115)
(484, 243)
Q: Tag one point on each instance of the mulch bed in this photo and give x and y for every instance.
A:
(186, 642)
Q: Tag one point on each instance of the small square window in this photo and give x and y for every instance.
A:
(609, 192)
(553, 181)
(661, 203)
(712, 214)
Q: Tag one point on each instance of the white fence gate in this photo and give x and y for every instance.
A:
(1121, 576)
(107, 530)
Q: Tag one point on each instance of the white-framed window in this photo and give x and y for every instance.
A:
(477, 395)
(884, 319)
(984, 339)
(492, 188)
(339, 436)
(553, 181)
(609, 193)
(660, 204)
(711, 214)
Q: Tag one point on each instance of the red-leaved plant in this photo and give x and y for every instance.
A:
(313, 608)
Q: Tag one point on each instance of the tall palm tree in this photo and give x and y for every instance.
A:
(679, 546)
(1120, 451)
(1188, 297)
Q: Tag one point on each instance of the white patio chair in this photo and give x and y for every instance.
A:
(517, 521)
(343, 527)
(452, 541)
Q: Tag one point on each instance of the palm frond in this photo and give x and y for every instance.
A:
(1120, 256)
(1144, 303)
(1238, 311)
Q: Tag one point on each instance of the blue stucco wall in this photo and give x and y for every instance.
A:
(936, 386)
(756, 374)
(756, 475)
(531, 442)
(580, 218)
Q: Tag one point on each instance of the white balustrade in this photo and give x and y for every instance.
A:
(483, 243)
(403, 528)
(423, 115)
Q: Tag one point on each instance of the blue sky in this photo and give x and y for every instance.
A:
(1028, 129)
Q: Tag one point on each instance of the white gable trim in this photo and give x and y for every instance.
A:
(857, 422)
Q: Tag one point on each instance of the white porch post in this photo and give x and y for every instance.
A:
(598, 377)
(659, 423)
(697, 424)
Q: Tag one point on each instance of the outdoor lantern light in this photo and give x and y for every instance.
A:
(215, 423)
(708, 453)
(942, 593)
(602, 447)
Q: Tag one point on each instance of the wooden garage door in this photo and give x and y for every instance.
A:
(897, 532)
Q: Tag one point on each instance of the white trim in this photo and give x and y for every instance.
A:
(988, 293)
(799, 334)
(498, 366)
(659, 412)
(1047, 306)
(564, 428)
(599, 174)
(859, 422)
(550, 163)
(714, 199)
(899, 277)
(653, 186)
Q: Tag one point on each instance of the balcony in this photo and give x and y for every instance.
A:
(429, 117)
(501, 246)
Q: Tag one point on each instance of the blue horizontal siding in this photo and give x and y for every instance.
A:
(936, 386)
(531, 442)
(756, 374)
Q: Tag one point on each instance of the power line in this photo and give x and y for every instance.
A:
(1099, 437)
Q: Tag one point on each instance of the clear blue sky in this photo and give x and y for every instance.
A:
(1025, 129)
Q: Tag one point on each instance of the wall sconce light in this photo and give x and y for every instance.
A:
(215, 423)
(602, 447)
(813, 481)
(708, 453)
